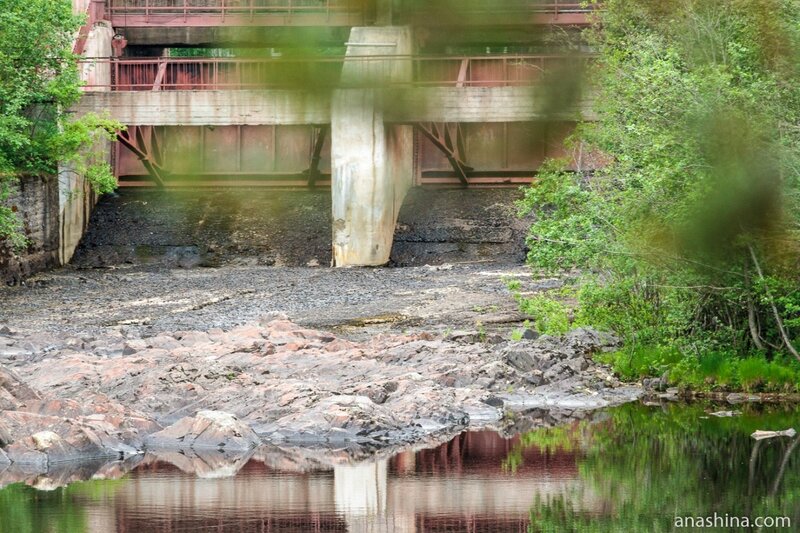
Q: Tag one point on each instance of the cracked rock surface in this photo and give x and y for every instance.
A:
(275, 381)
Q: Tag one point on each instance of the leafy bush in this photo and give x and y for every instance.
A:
(550, 316)
(688, 236)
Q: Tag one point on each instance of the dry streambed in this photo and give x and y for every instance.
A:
(278, 383)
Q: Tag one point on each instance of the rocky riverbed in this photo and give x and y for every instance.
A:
(94, 366)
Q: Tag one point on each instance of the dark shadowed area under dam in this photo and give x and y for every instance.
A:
(269, 227)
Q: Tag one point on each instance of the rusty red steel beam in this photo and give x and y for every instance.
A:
(147, 149)
(535, 13)
(313, 172)
(301, 183)
(441, 135)
(144, 13)
(174, 183)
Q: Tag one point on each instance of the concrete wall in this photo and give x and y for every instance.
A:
(477, 104)
(401, 105)
(214, 227)
(35, 201)
(75, 196)
(209, 108)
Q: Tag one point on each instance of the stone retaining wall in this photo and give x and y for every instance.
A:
(35, 200)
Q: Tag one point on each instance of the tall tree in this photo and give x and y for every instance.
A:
(38, 83)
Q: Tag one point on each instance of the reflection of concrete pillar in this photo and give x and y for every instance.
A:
(361, 489)
(75, 197)
(372, 164)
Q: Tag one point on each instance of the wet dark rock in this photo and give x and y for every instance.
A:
(127, 349)
(535, 377)
(520, 358)
(379, 395)
(530, 334)
(663, 382)
(355, 419)
(494, 401)
(589, 341)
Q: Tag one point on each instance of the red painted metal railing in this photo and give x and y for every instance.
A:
(132, 13)
(138, 13)
(166, 74)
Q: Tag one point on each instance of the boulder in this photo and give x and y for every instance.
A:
(530, 334)
(340, 418)
(589, 341)
(204, 431)
(13, 392)
(540, 354)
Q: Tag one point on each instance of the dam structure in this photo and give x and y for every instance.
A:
(367, 98)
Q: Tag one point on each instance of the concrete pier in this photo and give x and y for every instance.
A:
(372, 162)
(76, 199)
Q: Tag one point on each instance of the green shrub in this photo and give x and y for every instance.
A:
(688, 234)
(634, 363)
(710, 371)
(550, 316)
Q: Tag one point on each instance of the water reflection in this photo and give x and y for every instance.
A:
(632, 470)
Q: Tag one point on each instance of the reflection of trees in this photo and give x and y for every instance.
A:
(23, 509)
(651, 465)
(547, 441)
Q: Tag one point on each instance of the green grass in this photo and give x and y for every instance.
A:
(710, 371)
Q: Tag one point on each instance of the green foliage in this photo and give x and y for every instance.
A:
(26, 510)
(518, 334)
(10, 225)
(637, 362)
(689, 236)
(710, 371)
(550, 316)
(38, 83)
(63, 510)
(644, 466)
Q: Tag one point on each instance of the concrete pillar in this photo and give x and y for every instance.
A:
(76, 199)
(372, 163)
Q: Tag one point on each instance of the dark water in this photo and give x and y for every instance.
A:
(634, 468)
